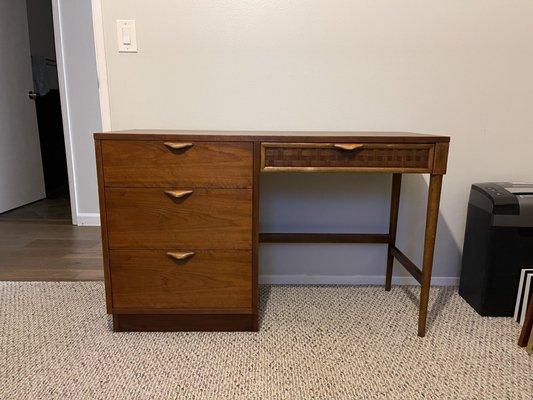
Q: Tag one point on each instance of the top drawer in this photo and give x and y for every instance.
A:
(338, 157)
(144, 163)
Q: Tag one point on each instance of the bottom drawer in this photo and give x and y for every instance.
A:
(206, 280)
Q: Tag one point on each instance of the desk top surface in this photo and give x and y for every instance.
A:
(273, 136)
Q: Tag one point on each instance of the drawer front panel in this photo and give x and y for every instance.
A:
(159, 164)
(209, 279)
(346, 156)
(150, 218)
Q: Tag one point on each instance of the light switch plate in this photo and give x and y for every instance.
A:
(126, 36)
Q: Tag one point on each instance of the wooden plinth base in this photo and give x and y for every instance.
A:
(188, 322)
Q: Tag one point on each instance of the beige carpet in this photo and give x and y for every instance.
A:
(316, 342)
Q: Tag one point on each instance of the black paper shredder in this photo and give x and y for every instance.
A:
(498, 244)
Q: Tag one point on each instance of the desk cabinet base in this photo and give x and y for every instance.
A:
(184, 322)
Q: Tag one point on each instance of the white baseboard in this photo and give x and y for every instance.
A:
(88, 219)
(350, 280)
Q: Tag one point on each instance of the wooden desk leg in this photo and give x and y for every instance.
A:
(432, 216)
(393, 223)
(255, 236)
(528, 325)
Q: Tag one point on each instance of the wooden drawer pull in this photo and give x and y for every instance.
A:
(177, 194)
(348, 146)
(180, 255)
(178, 146)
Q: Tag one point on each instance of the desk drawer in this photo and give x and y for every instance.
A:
(154, 218)
(179, 163)
(338, 157)
(207, 279)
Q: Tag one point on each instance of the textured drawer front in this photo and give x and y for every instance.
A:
(157, 164)
(346, 157)
(210, 279)
(204, 219)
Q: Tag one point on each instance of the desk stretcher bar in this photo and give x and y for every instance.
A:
(371, 238)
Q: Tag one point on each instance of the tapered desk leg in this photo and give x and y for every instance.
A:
(255, 236)
(525, 333)
(432, 216)
(394, 208)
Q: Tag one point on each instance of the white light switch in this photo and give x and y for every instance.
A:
(126, 36)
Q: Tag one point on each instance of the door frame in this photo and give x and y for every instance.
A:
(65, 109)
(65, 94)
(101, 64)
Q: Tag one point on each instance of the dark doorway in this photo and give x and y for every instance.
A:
(47, 101)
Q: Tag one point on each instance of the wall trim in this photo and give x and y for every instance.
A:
(350, 280)
(65, 109)
(88, 219)
(101, 64)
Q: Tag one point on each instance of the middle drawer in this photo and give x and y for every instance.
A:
(146, 218)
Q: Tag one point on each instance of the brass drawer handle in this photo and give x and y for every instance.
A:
(180, 255)
(177, 194)
(348, 146)
(178, 146)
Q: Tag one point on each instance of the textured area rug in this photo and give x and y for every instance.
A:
(316, 342)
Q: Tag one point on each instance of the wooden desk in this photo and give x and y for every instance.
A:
(180, 216)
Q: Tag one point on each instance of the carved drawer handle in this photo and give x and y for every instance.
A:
(348, 146)
(177, 194)
(180, 255)
(178, 146)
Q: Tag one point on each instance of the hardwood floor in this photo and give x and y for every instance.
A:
(57, 209)
(48, 250)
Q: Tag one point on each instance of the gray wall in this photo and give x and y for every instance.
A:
(457, 68)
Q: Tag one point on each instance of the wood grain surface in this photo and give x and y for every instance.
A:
(47, 251)
(147, 218)
(272, 136)
(152, 164)
(211, 279)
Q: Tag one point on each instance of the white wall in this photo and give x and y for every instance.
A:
(458, 68)
(79, 82)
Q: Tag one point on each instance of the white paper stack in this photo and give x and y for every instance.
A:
(525, 291)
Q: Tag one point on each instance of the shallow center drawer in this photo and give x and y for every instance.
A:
(207, 279)
(371, 157)
(153, 218)
(147, 163)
